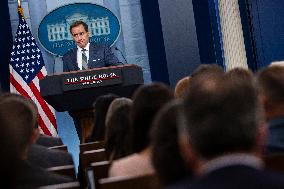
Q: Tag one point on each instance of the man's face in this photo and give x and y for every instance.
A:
(80, 36)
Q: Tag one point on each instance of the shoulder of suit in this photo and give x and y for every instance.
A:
(98, 45)
(69, 52)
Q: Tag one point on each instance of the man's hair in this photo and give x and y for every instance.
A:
(271, 83)
(207, 69)
(18, 119)
(181, 87)
(77, 23)
(147, 101)
(222, 113)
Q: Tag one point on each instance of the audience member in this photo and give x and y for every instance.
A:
(100, 110)
(182, 87)
(166, 156)
(147, 101)
(118, 130)
(271, 86)
(207, 70)
(18, 122)
(225, 132)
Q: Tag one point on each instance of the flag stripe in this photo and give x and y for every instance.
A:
(15, 80)
(42, 103)
(36, 82)
(19, 89)
(43, 126)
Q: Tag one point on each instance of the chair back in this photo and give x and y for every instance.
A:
(141, 182)
(61, 147)
(67, 170)
(91, 156)
(69, 185)
(274, 162)
(91, 146)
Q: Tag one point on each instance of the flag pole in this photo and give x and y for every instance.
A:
(20, 9)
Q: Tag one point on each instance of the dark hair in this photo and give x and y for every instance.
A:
(181, 87)
(77, 23)
(118, 130)
(166, 157)
(18, 116)
(100, 106)
(222, 114)
(147, 101)
(271, 83)
(208, 69)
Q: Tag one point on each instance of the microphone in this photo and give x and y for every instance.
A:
(54, 62)
(117, 49)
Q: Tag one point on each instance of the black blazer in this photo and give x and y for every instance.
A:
(235, 177)
(99, 56)
(43, 157)
(29, 176)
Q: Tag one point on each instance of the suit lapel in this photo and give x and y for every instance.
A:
(91, 53)
(74, 59)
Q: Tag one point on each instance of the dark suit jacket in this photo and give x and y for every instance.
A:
(49, 141)
(43, 157)
(236, 177)
(275, 141)
(30, 176)
(99, 56)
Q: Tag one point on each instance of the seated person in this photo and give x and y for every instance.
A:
(167, 159)
(225, 132)
(147, 101)
(271, 85)
(100, 106)
(118, 129)
(18, 130)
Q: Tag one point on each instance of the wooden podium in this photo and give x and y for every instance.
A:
(76, 91)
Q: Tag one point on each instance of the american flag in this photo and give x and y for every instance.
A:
(26, 70)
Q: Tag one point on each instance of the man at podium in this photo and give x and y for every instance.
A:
(86, 56)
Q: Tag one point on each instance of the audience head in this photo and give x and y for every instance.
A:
(147, 101)
(18, 122)
(166, 156)
(207, 69)
(182, 87)
(118, 130)
(115, 104)
(223, 115)
(101, 106)
(271, 87)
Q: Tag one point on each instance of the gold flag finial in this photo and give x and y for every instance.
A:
(20, 9)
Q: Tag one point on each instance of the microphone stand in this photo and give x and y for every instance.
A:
(117, 49)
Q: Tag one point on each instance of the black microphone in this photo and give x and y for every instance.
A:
(117, 49)
(54, 62)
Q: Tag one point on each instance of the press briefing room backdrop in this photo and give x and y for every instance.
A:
(167, 38)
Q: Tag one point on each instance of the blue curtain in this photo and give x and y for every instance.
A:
(6, 41)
